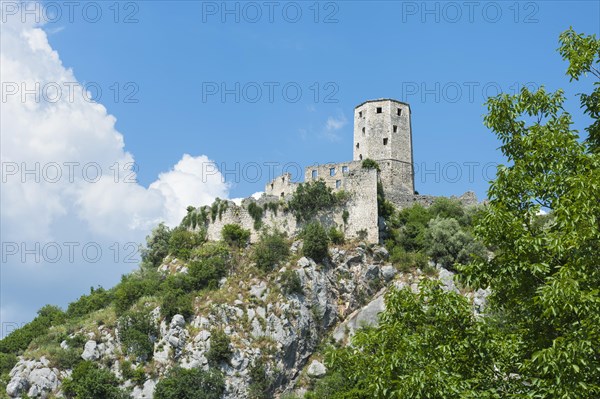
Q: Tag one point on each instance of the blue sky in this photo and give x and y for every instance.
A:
(163, 58)
(411, 51)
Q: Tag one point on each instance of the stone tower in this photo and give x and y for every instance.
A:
(382, 132)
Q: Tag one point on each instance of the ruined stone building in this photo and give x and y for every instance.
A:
(383, 133)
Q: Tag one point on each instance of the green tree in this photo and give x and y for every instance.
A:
(316, 242)
(137, 333)
(311, 198)
(447, 243)
(157, 246)
(183, 241)
(545, 276)
(271, 249)
(235, 235)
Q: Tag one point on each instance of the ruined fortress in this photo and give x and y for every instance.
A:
(383, 133)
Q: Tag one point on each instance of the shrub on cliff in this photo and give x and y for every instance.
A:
(89, 381)
(219, 348)
(183, 241)
(316, 242)
(235, 235)
(157, 246)
(190, 384)
(137, 333)
(271, 249)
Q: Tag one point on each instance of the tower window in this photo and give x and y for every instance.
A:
(378, 110)
(360, 114)
(363, 130)
(314, 174)
(338, 183)
(344, 169)
(399, 111)
(360, 157)
(271, 186)
(283, 179)
(385, 140)
(395, 128)
(357, 145)
(331, 171)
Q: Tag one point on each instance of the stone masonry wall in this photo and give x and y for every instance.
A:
(361, 185)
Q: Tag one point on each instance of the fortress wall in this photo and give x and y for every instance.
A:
(282, 186)
(361, 184)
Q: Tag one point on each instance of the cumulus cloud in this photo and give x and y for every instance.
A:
(67, 176)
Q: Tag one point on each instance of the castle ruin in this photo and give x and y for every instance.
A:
(383, 133)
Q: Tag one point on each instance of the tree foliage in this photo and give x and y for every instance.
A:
(311, 198)
(316, 242)
(190, 384)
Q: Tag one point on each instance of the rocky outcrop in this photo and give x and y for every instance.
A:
(281, 330)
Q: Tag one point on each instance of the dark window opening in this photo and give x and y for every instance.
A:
(283, 179)
(399, 112)
(360, 114)
(378, 110)
(282, 194)
(271, 186)
(357, 145)
(395, 128)
(360, 157)
(385, 140)
(363, 130)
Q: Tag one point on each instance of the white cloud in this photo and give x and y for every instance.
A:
(333, 125)
(72, 136)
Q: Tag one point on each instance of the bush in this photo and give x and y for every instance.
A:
(219, 348)
(336, 386)
(447, 208)
(157, 246)
(89, 381)
(183, 241)
(406, 261)
(97, 299)
(270, 250)
(137, 375)
(176, 301)
(19, 339)
(291, 283)
(370, 164)
(235, 235)
(131, 288)
(310, 198)
(65, 359)
(316, 242)
(260, 383)
(336, 236)
(137, 333)
(448, 244)
(211, 264)
(190, 384)
(7, 362)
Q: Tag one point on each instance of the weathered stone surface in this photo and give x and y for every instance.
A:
(90, 351)
(388, 272)
(316, 369)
